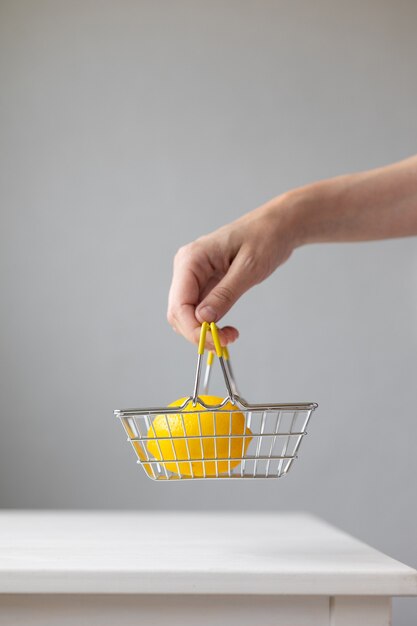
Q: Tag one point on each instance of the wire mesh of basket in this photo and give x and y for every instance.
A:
(205, 437)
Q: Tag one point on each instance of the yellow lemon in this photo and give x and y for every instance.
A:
(196, 421)
(131, 431)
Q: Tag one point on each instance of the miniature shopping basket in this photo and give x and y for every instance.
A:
(196, 439)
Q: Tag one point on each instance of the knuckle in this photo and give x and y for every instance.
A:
(254, 267)
(179, 254)
(250, 261)
(224, 294)
(171, 317)
(186, 252)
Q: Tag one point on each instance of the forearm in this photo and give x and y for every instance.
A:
(378, 204)
(211, 273)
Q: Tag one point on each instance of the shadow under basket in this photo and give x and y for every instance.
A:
(197, 439)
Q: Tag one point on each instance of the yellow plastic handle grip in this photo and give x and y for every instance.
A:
(211, 353)
(216, 339)
(203, 333)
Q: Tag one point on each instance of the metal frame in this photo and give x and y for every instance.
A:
(275, 432)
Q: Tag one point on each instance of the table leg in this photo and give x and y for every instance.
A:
(358, 610)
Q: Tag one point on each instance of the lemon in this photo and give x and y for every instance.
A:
(195, 421)
(131, 431)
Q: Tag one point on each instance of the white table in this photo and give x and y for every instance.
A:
(190, 569)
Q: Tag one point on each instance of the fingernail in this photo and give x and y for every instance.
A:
(207, 313)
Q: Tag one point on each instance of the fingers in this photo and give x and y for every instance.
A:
(190, 328)
(212, 273)
(184, 321)
(182, 300)
(190, 278)
(239, 278)
(227, 335)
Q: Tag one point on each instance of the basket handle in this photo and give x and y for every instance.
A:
(221, 354)
(228, 364)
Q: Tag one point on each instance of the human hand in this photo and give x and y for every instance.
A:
(211, 273)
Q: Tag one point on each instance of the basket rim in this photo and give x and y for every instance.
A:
(218, 408)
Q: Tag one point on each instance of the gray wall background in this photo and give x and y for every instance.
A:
(129, 128)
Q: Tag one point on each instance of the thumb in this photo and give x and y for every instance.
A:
(224, 295)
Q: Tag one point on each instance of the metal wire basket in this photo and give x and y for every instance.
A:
(197, 439)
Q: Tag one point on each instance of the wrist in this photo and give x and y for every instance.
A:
(310, 211)
(291, 214)
(300, 204)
